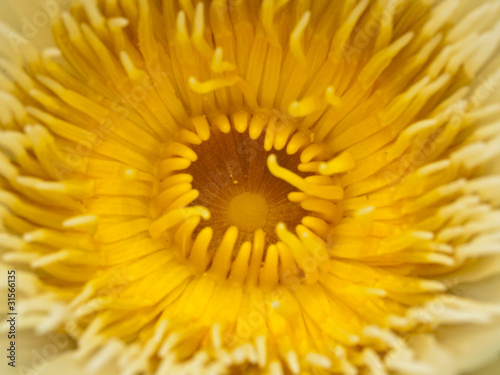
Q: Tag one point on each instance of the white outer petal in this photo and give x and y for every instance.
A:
(482, 269)
(32, 19)
(494, 369)
(466, 348)
(45, 355)
(472, 347)
(65, 364)
(33, 353)
(430, 351)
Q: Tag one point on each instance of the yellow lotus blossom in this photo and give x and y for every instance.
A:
(254, 186)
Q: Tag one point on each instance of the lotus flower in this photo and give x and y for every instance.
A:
(252, 186)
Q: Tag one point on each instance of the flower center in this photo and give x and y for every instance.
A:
(239, 194)
(236, 186)
(248, 211)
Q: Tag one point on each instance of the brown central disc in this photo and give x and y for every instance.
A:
(238, 189)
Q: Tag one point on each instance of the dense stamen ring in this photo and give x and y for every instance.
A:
(222, 179)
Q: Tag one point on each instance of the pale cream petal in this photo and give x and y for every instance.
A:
(32, 19)
(493, 369)
(474, 346)
(430, 351)
(480, 269)
(465, 348)
(66, 364)
(32, 352)
(50, 354)
(487, 290)
(460, 350)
